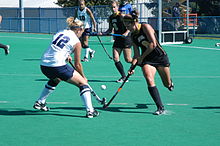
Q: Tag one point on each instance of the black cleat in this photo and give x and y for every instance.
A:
(93, 114)
(171, 88)
(41, 106)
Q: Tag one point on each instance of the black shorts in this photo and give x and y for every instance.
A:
(156, 58)
(121, 42)
(62, 72)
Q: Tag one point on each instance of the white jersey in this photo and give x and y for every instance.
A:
(84, 17)
(62, 45)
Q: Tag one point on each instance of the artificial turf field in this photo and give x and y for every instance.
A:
(193, 108)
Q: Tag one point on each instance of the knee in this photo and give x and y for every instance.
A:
(150, 81)
(128, 60)
(53, 83)
(83, 89)
(116, 59)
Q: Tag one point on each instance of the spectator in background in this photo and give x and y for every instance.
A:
(125, 7)
(5, 47)
(176, 15)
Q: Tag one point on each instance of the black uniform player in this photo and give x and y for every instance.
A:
(120, 43)
(151, 59)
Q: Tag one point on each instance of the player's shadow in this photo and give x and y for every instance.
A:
(114, 81)
(208, 108)
(31, 59)
(23, 112)
(99, 81)
(41, 80)
(116, 109)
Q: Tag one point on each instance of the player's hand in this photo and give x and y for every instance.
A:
(139, 60)
(86, 79)
(69, 59)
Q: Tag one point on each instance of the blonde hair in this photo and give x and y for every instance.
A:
(74, 23)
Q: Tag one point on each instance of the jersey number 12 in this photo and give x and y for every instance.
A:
(61, 40)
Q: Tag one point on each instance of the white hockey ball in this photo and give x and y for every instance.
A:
(103, 87)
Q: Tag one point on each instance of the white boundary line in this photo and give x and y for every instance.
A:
(28, 37)
(202, 48)
(40, 75)
(3, 101)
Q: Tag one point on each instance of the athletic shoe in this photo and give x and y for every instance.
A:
(89, 114)
(7, 50)
(85, 59)
(41, 106)
(171, 87)
(159, 112)
(91, 54)
(121, 80)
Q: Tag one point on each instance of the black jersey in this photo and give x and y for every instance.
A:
(116, 21)
(157, 57)
(140, 39)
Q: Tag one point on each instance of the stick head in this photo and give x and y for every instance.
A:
(105, 106)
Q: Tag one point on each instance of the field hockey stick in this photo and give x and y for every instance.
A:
(100, 41)
(105, 34)
(119, 89)
(114, 34)
(101, 101)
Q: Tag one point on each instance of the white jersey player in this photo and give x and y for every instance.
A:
(54, 66)
(86, 16)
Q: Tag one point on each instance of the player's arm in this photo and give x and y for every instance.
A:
(136, 53)
(77, 61)
(92, 17)
(135, 58)
(149, 31)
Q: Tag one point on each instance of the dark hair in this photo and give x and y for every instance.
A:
(133, 16)
(114, 1)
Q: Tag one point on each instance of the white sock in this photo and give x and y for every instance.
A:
(86, 98)
(87, 52)
(45, 93)
(90, 50)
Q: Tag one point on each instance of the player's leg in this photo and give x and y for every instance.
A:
(85, 41)
(118, 64)
(127, 55)
(149, 74)
(85, 93)
(164, 73)
(47, 90)
(5, 47)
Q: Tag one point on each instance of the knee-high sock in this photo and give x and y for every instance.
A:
(87, 50)
(45, 93)
(86, 97)
(120, 68)
(156, 96)
(3, 46)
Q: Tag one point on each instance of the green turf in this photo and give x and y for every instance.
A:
(193, 107)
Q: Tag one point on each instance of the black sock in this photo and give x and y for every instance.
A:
(156, 96)
(120, 68)
(3, 46)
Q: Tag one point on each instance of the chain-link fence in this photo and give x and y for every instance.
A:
(51, 20)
